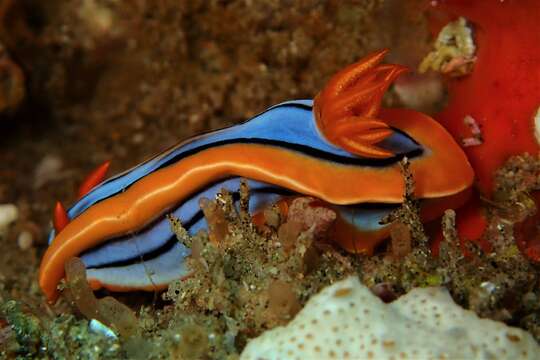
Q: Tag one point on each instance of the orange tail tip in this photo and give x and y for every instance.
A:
(61, 218)
(347, 107)
(94, 178)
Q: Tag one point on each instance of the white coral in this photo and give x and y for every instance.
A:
(346, 320)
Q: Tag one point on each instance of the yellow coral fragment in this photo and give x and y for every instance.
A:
(454, 50)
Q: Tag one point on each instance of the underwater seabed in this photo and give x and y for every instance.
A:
(246, 281)
(89, 81)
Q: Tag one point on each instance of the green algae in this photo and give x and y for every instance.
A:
(26, 329)
(64, 337)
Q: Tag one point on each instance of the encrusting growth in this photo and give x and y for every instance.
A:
(257, 279)
(346, 320)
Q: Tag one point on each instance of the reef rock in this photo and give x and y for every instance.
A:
(346, 320)
(9, 213)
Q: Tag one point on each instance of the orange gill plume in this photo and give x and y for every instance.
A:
(346, 109)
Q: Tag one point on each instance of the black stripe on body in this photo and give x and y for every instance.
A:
(177, 145)
(198, 216)
(303, 149)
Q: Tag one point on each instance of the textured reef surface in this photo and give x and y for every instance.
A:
(85, 81)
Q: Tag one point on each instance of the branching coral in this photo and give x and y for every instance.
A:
(498, 284)
(409, 263)
(33, 337)
(493, 284)
(256, 280)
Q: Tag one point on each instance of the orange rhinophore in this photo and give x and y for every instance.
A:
(93, 179)
(60, 219)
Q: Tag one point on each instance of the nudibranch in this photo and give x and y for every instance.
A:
(501, 94)
(341, 148)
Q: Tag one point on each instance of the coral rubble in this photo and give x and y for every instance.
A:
(257, 281)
